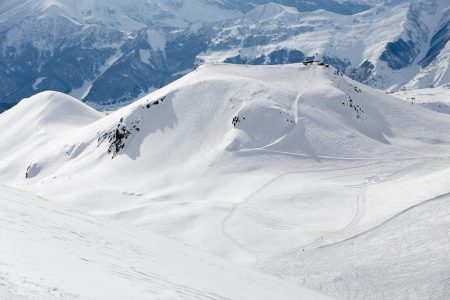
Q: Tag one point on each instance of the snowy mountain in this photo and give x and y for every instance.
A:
(295, 170)
(109, 51)
(104, 50)
(388, 46)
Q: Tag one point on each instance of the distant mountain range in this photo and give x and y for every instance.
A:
(110, 51)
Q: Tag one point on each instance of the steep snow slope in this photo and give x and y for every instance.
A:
(53, 252)
(437, 72)
(39, 122)
(253, 163)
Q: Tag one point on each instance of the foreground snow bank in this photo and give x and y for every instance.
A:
(51, 252)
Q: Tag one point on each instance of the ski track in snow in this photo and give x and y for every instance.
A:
(349, 230)
(352, 230)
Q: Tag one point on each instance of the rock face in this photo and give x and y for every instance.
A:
(109, 51)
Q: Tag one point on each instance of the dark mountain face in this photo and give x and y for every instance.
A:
(345, 8)
(438, 42)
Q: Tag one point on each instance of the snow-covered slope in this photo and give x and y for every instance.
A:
(437, 98)
(409, 251)
(50, 251)
(252, 164)
(39, 122)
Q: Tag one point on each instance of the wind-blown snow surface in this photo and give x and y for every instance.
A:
(52, 252)
(280, 168)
